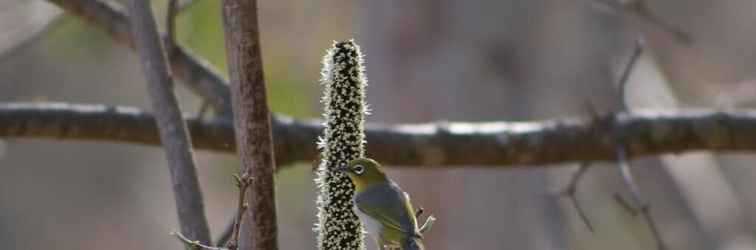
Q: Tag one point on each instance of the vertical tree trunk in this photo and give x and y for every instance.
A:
(252, 123)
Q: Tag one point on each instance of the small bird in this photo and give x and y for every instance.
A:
(384, 208)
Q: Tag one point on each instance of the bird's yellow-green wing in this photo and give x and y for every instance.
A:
(389, 205)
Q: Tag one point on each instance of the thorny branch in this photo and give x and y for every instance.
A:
(622, 164)
(570, 191)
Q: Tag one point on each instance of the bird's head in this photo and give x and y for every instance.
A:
(364, 172)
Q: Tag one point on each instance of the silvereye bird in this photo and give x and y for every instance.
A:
(384, 208)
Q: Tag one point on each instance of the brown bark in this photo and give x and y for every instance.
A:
(252, 123)
(171, 126)
(492, 144)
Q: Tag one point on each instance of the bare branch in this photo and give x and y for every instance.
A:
(643, 207)
(570, 191)
(491, 144)
(622, 165)
(625, 77)
(194, 244)
(254, 138)
(243, 182)
(197, 75)
(625, 205)
(172, 127)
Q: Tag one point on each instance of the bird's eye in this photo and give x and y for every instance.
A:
(359, 169)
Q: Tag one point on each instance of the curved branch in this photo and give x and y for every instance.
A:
(196, 74)
(432, 144)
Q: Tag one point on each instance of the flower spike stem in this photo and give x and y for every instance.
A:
(343, 140)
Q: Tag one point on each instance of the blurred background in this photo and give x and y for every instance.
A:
(426, 61)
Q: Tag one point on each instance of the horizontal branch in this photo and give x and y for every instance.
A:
(131, 125)
(438, 144)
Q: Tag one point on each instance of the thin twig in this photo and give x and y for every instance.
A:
(624, 204)
(632, 186)
(570, 191)
(451, 144)
(242, 183)
(622, 164)
(193, 244)
(627, 70)
(172, 127)
(229, 238)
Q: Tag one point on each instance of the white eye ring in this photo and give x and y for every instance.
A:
(359, 169)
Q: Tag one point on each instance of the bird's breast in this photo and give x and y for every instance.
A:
(373, 226)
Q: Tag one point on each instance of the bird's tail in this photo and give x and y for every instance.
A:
(413, 243)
